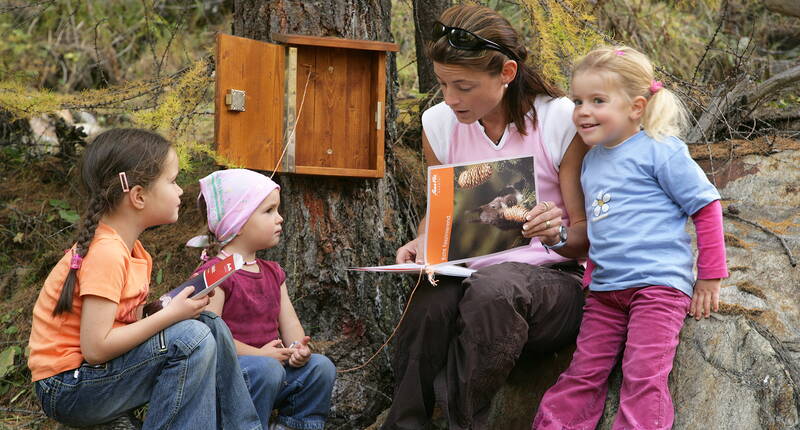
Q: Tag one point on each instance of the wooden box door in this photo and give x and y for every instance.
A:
(252, 138)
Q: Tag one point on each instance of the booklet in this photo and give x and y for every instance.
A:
(442, 269)
(203, 282)
(474, 210)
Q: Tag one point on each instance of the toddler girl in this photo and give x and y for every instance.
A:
(641, 185)
(92, 356)
(241, 208)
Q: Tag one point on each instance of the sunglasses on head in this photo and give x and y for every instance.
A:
(468, 41)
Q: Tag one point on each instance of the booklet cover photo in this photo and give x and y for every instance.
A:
(473, 210)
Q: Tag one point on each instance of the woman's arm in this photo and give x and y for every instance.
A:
(408, 252)
(569, 176)
(100, 342)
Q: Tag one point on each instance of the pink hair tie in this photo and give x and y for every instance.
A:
(75, 262)
(655, 86)
(619, 52)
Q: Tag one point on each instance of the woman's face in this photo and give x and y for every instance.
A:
(471, 94)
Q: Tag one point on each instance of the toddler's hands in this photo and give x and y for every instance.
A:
(705, 298)
(276, 350)
(301, 353)
(182, 307)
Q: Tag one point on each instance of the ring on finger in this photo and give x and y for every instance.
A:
(547, 224)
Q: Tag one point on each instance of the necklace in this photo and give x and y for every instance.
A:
(246, 263)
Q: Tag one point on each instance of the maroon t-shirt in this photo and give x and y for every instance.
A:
(252, 302)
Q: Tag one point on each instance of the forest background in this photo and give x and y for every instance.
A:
(72, 68)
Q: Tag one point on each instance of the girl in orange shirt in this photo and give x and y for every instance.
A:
(92, 356)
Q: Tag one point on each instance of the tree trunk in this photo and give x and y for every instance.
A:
(426, 12)
(334, 223)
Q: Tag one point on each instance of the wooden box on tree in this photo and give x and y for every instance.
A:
(307, 105)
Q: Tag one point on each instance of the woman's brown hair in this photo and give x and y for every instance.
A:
(487, 23)
(141, 155)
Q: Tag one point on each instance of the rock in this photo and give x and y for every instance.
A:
(739, 369)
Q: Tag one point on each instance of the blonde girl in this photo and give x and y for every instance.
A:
(641, 186)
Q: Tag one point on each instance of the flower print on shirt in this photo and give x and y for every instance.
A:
(600, 205)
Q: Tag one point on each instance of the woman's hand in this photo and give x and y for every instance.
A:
(544, 222)
(276, 350)
(409, 253)
(705, 298)
(301, 353)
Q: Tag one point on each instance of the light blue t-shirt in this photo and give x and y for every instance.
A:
(639, 195)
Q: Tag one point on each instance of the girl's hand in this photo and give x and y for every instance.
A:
(181, 307)
(301, 353)
(276, 350)
(408, 253)
(543, 221)
(705, 298)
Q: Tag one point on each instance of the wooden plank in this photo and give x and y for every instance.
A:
(335, 42)
(253, 138)
(380, 131)
(306, 71)
(335, 171)
(339, 153)
(360, 104)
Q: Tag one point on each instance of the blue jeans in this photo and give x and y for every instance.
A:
(187, 373)
(302, 395)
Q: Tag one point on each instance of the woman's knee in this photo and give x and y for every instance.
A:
(435, 304)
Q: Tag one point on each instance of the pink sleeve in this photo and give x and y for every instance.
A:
(711, 262)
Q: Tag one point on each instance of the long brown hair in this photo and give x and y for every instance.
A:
(141, 155)
(487, 23)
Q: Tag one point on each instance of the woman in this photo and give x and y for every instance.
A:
(461, 338)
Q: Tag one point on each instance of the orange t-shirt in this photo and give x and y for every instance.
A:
(109, 270)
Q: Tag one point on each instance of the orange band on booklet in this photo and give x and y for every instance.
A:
(437, 239)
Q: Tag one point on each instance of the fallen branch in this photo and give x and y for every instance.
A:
(792, 261)
(745, 93)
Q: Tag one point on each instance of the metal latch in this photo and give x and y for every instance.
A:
(234, 99)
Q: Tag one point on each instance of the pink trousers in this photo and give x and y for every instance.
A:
(643, 325)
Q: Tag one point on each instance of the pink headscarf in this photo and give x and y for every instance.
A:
(231, 197)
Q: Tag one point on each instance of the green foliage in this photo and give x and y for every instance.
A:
(64, 211)
(72, 45)
(565, 30)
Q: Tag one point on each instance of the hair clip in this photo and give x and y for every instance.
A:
(619, 52)
(123, 181)
(655, 86)
(75, 261)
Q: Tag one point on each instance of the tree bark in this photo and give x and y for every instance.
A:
(334, 223)
(426, 12)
